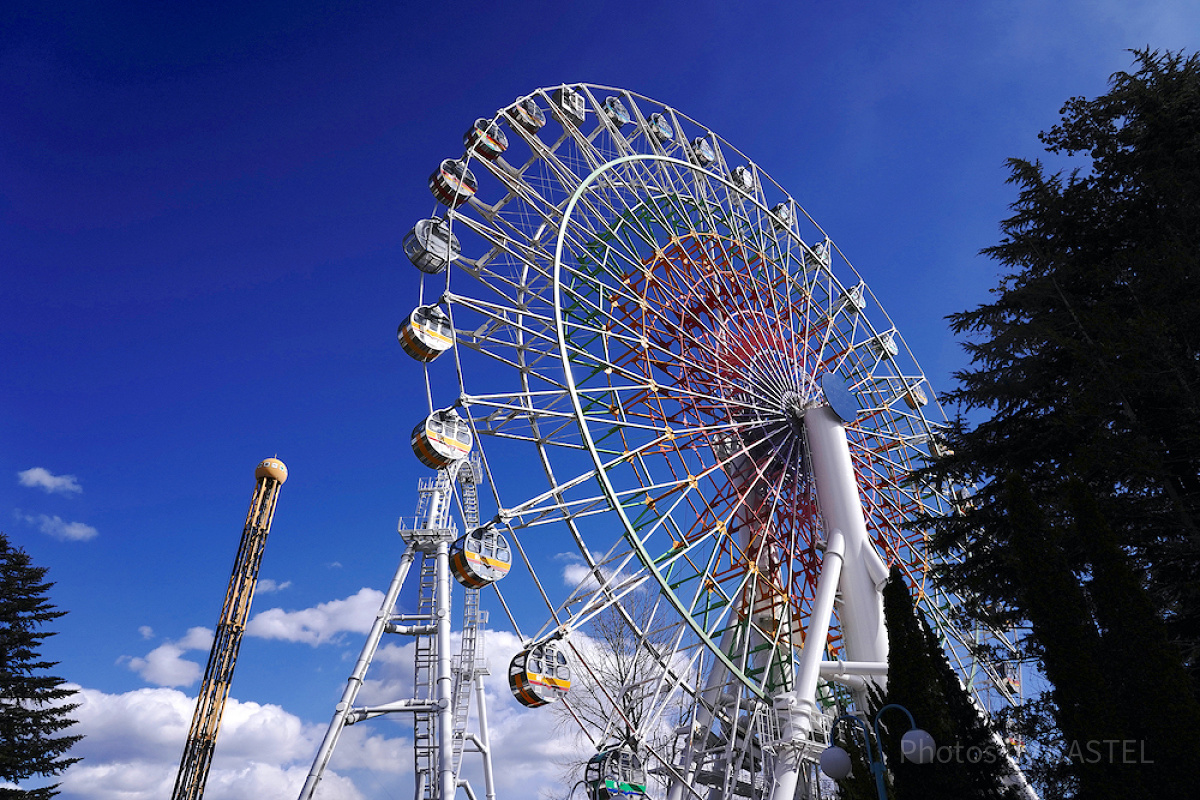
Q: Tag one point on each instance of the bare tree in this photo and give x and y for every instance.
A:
(617, 695)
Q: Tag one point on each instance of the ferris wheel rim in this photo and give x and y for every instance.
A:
(568, 374)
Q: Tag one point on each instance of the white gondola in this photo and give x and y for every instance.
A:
(821, 256)
(486, 138)
(430, 246)
(702, 151)
(426, 333)
(441, 439)
(452, 183)
(884, 345)
(528, 115)
(568, 106)
(615, 110)
(660, 126)
(480, 557)
(781, 215)
(742, 178)
(539, 675)
(854, 299)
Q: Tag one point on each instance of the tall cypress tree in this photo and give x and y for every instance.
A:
(33, 707)
(921, 679)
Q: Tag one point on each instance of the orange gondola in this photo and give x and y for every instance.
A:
(442, 438)
(480, 557)
(539, 675)
(426, 333)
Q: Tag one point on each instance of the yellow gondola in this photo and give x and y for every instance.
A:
(430, 246)
(539, 675)
(486, 138)
(441, 439)
(452, 183)
(480, 557)
(426, 333)
(915, 396)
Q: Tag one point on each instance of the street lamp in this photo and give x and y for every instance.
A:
(916, 746)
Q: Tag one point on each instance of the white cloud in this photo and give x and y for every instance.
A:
(267, 586)
(60, 529)
(576, 573)
(48, 482)
(133, 741)
(146, 631)
(321, 623)
(580, 577)
(165, 664)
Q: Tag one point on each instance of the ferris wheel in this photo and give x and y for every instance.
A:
(669, 373)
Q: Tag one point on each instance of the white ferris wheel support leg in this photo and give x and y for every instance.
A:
(861, 610)
(797, 707)
(850, 564)
(485, 745)
(446, 783)
(325, 751)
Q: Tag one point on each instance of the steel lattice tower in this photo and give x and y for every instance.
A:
(206, 721)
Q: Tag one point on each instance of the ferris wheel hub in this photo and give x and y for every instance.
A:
(794, 407)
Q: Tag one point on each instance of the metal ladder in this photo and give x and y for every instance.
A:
(424, 722)
(468, 667)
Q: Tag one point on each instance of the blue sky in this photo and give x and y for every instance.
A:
(201, 214)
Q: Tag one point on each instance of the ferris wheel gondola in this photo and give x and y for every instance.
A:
(615, 774)
(480, 557)
(540, 675)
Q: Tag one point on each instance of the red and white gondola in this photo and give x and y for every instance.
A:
(452, 183)
(486, 138)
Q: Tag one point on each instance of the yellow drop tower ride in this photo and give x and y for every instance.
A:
(202, 738)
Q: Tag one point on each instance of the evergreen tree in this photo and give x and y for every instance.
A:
(921, 679)
(33, 711)
(1085, 527)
